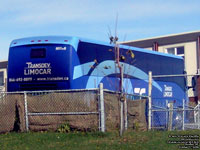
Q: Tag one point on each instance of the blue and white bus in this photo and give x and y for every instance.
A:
(62, 62)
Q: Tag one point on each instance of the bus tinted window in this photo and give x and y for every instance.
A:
(38, 53)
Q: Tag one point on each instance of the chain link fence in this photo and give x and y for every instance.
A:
(72, 108)
(103, 110)
(137, 110)
(47, 110)
(172, 118)
(192, 109)
(192, 118)
(176, 107)
(8, 111)
(80, 110)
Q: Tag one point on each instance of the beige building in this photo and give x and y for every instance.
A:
(3, 75)
(186, 45)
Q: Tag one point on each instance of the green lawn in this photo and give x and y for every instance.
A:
(153, 140)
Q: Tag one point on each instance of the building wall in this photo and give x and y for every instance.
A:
(3, 71)
(190, 51)
(149, 48)
(190, 55)
(3, 88)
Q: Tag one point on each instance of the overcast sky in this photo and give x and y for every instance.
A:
(92, 19)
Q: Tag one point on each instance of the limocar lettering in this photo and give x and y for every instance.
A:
(37, 68)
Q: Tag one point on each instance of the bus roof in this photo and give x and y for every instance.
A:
(74, 42)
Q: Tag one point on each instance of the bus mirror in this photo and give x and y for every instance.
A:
(193, 83)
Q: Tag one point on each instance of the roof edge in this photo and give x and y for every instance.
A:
(158, 37)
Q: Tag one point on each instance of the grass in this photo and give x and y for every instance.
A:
(153, 140)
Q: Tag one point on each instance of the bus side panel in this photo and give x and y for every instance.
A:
(98, 64)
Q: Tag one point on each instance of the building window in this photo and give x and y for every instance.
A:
(1, 78)
(179, 51)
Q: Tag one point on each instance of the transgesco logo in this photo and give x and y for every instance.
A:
(37, 68)
(168, 91)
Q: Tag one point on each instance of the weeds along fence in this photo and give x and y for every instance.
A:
(173, 109)
(66, 110)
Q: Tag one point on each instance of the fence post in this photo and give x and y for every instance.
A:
(121, 116)
(167, 114)
(125, 114)
(102, 110)
(170, 115)
(150, 100)
(183, 128)
(26, 111)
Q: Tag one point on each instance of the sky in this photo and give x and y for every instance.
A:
(95, 19)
